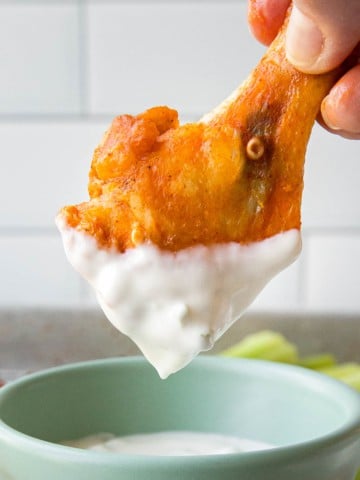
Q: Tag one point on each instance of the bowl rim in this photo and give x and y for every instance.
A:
(347, 432)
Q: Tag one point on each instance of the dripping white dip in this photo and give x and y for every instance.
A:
(167, 443)
(175, 305)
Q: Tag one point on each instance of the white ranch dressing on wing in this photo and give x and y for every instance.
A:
(179, 443)
(174, 305)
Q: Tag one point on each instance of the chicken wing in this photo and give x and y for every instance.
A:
(236, 175)
(186, 224)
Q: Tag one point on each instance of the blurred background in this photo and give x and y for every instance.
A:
(69, 66)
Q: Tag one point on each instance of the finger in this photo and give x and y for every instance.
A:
(266, 17)
(322, 33)
(341, 133)
(340, 109)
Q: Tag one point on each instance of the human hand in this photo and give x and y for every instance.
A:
(321, 35)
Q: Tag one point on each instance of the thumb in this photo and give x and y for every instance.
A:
(322, 33)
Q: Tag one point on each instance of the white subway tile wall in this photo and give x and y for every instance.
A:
(45, 166)
(39, 58)
(188, 55)
(333, 267)
(35, 273)
(69, 66)
(331, 196)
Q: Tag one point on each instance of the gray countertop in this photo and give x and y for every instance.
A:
(32, 339)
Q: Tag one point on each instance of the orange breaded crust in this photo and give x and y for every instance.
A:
(237, 175)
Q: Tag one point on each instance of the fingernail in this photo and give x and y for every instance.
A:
(304, 40)
(340, 112)
(326, 105)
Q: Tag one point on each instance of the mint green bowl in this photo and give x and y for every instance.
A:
(313, 421)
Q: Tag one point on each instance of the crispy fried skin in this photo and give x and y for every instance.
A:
(237, 175)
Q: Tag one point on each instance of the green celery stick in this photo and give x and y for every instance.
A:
(265, 345)
(286, 353)
(341, 370)
(254, 346)
(272, 346)
(353, 380)
(358, 476)
(315, 362)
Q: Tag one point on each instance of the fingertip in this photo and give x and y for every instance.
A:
(304, 41)
(340, 109)
(340, 133)
(257, 23)
(329, 114)
(265, 18)
(321, 35)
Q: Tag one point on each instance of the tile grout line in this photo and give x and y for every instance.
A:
(83, 39)
(303, 273)
(306, 233)
(28, 231)
(81, 117)
(110, 2)
(332, 230)
(174, 2)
